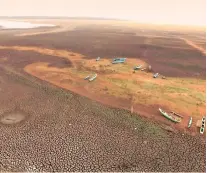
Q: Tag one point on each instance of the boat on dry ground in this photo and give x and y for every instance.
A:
(190, 122)
(170, 116)
(155, 75)
(92, 78)
(137, 67)
(118, 60)
(202, 129)
(202, 125)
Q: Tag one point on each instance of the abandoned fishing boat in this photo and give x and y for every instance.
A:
(190, 122)
(174, 113)
(202, 129)
(170, 116)
(118, 60)
(137, 67)
(156, 75)
(203, 125)
(92, 78)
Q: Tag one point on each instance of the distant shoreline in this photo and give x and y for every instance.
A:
(59, 17)
(96, 18)
(6, 24)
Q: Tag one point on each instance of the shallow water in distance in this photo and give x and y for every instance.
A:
(5, 24)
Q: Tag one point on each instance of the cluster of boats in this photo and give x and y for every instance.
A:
(122, 60)
(177, 118)
(140, 66)
(174, 117)
(142, 69)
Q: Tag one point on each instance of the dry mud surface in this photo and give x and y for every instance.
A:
(45, 128)
(67, 132)
(12, 118)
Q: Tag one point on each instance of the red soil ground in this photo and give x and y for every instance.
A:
(145, 110)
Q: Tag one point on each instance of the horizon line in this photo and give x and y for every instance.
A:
(103, 18)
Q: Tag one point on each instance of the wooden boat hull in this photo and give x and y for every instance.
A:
(190, 122)
(92, 78)
(169, 117)
(202, 130)
(137, 67)
(202, 126)
(118, 60)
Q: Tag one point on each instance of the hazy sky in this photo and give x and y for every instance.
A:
(149, 11)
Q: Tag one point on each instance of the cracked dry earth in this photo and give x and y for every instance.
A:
(56, 130)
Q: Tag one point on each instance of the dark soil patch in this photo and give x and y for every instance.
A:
(20, 59)
(61, 64)
(93, 44)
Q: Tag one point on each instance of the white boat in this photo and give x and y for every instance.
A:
(190, 122)
(202, 129)
(156, 75)
(137, 67)
(93, 77)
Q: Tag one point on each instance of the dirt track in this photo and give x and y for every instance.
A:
(199, 48)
